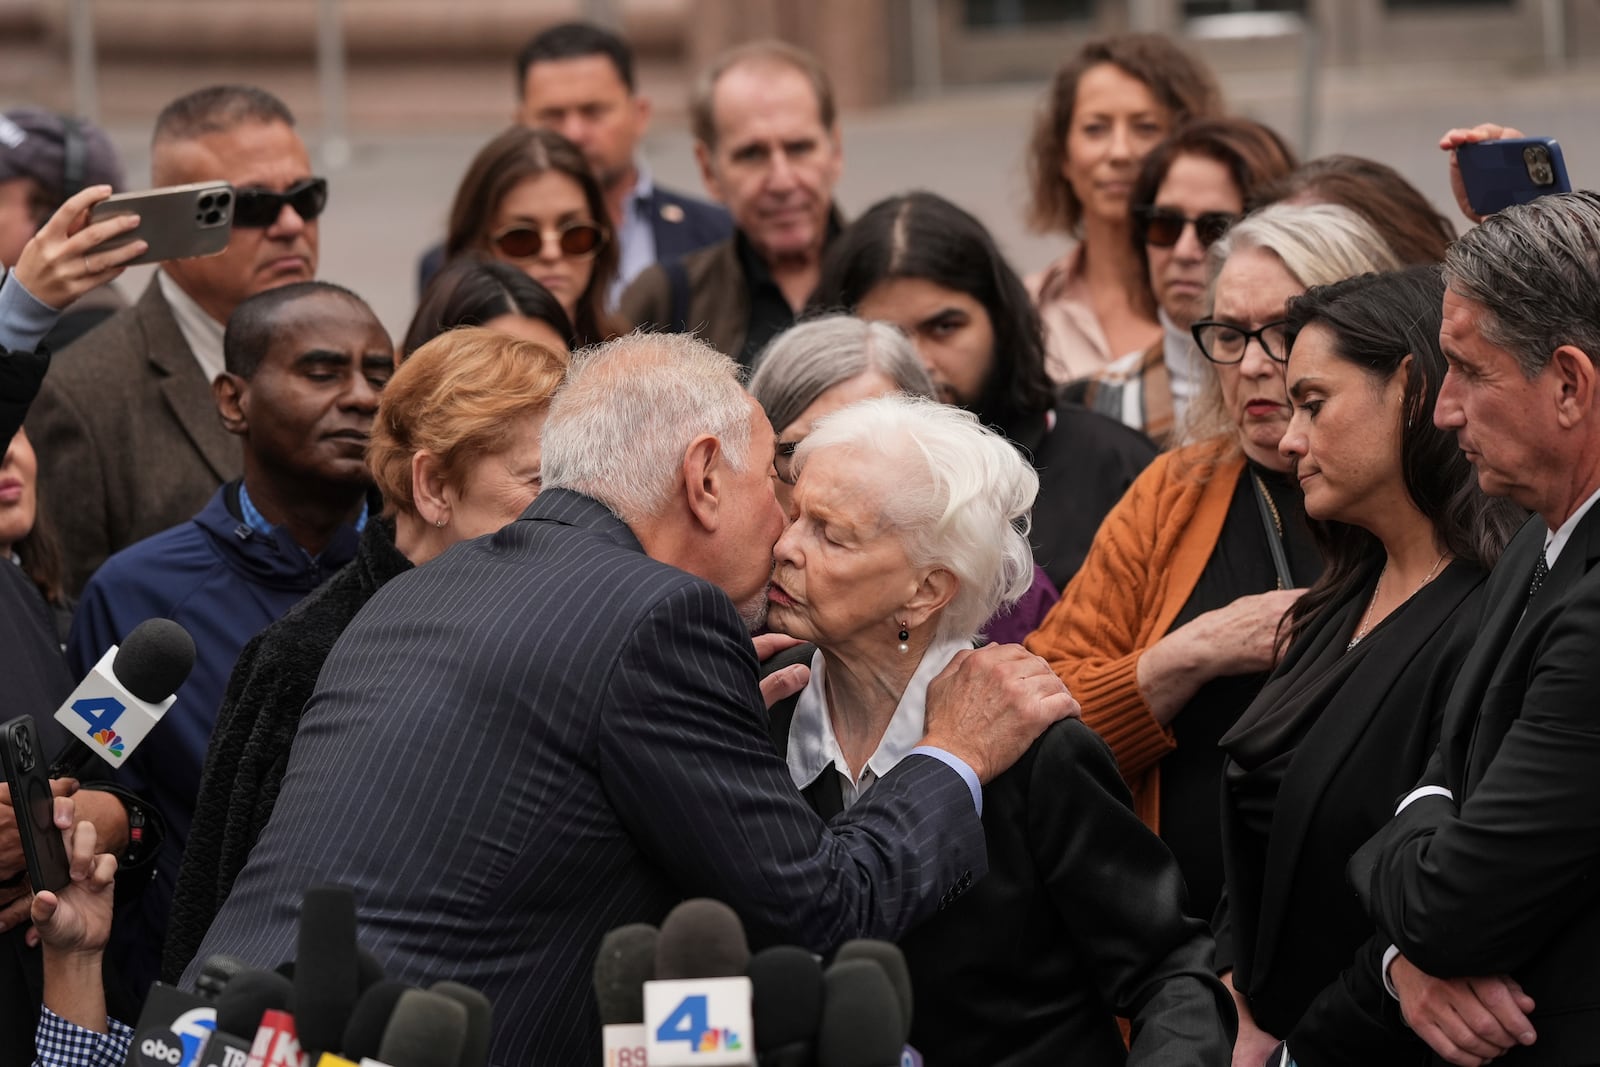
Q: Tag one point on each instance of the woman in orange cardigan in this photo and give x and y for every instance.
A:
(1170, 628)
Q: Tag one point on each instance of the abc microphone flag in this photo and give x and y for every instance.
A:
(120, 701)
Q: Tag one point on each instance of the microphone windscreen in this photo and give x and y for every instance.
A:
(701, 938)
(625, 962)
(893, 961)
(426, 1030)
(786, 986)
(216, 973)
(325, 967)
(250, 994)
(480, 1020)
(369, 972)
(363, 1034)
(860, 1017)
(154, 660)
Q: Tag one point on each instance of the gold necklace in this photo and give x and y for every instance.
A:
(1366, 618)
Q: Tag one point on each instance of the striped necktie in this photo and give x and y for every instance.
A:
(1541, 571)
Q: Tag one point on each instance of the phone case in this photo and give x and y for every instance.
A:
(1498, 174)
(179, 221)
(25, 768)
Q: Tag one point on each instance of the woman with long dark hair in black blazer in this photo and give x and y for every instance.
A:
(1350, 717)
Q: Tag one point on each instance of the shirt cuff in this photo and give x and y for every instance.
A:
(1389, 955)
(24, 320)
(1417, 794)
(959, 765)
(59, 1043)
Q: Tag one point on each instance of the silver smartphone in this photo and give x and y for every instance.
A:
(178, 221)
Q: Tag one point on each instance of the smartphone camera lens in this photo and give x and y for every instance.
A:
(224, 198)
(206, 201)
(24, 750)
(213, 217)
(1537, 159)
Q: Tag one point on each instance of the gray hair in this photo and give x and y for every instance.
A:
(1318, 244)
(1534, 269)
(961, 501)
(808, 359)
(619, 426)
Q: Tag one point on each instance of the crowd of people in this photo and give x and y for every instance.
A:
(1184, 655)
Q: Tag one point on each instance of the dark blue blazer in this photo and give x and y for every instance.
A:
(682, 224)
(1503, 875)
(545, 734)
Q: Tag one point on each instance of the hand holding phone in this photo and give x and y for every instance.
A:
(175, 222)
(56, 264)
(1493, 167)
(33, 802)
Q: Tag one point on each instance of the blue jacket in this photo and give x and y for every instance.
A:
(224, 583)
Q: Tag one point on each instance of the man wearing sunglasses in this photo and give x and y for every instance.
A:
(127, 434)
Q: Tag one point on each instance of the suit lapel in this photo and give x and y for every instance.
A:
(183, 384)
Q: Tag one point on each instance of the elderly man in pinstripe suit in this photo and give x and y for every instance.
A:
(556, 730)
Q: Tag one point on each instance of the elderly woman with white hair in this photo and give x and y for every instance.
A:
(909, 530)
(825, 363)
(1171, 627)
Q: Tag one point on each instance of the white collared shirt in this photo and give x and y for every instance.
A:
(813, 747)
(1183, 362)
(202, 332)
(636, 235)
(1556, 540)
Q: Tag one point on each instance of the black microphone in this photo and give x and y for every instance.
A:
(860, 1017)
(251, 993)
(363, 1034)
(216, 973)
(426, 1030)
(893, 961)
(119, 701)
(326, 972)
(787, 1005)
(699, 1000)
(480, 1021)
(625, 962)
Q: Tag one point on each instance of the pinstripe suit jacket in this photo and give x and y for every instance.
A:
(545, 734)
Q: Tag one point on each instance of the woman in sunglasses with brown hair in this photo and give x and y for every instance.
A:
(1191, 188)
(530, 200)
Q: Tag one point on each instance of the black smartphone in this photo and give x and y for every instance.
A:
(1498, 174)
(26, 772)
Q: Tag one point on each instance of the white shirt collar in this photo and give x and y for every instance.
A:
(1183, 364)
(200, 330)
(813, 748)
(1556, 540)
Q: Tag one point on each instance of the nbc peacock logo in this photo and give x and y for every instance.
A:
(109, 740)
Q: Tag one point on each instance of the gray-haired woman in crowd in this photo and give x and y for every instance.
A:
(819, 366)
(909, 529)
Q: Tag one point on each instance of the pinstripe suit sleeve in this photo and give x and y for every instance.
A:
(691, 770)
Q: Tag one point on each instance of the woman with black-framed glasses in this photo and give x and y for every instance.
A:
(529, 199)
(1171, 626)
(1191, 188)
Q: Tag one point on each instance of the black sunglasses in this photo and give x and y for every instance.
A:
(259, 208)
(1163, 226)
(577, 239)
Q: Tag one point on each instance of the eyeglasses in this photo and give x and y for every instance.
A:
(1163, 226)
(783, 462)
(1225, 342)
(259, 208)
(575, 239)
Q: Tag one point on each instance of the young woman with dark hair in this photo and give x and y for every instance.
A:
(1350, 717)
(482, 292)
(928, 267)
(530, 200)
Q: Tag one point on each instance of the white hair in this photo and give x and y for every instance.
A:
(961, 500)
(811, 357)
(618, 428)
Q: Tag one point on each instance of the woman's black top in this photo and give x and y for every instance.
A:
(1313, 769)
(1240, 565)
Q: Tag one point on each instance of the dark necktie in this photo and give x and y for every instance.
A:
(1541, 571)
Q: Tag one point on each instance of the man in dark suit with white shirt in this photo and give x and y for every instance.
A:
(557, 730)
(1487, 878)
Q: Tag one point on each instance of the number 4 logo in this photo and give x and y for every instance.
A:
(101, 713)
(687, 1021)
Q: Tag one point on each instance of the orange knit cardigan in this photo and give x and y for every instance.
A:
(1144, 563)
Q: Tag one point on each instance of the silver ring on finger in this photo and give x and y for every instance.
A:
(86, 268)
